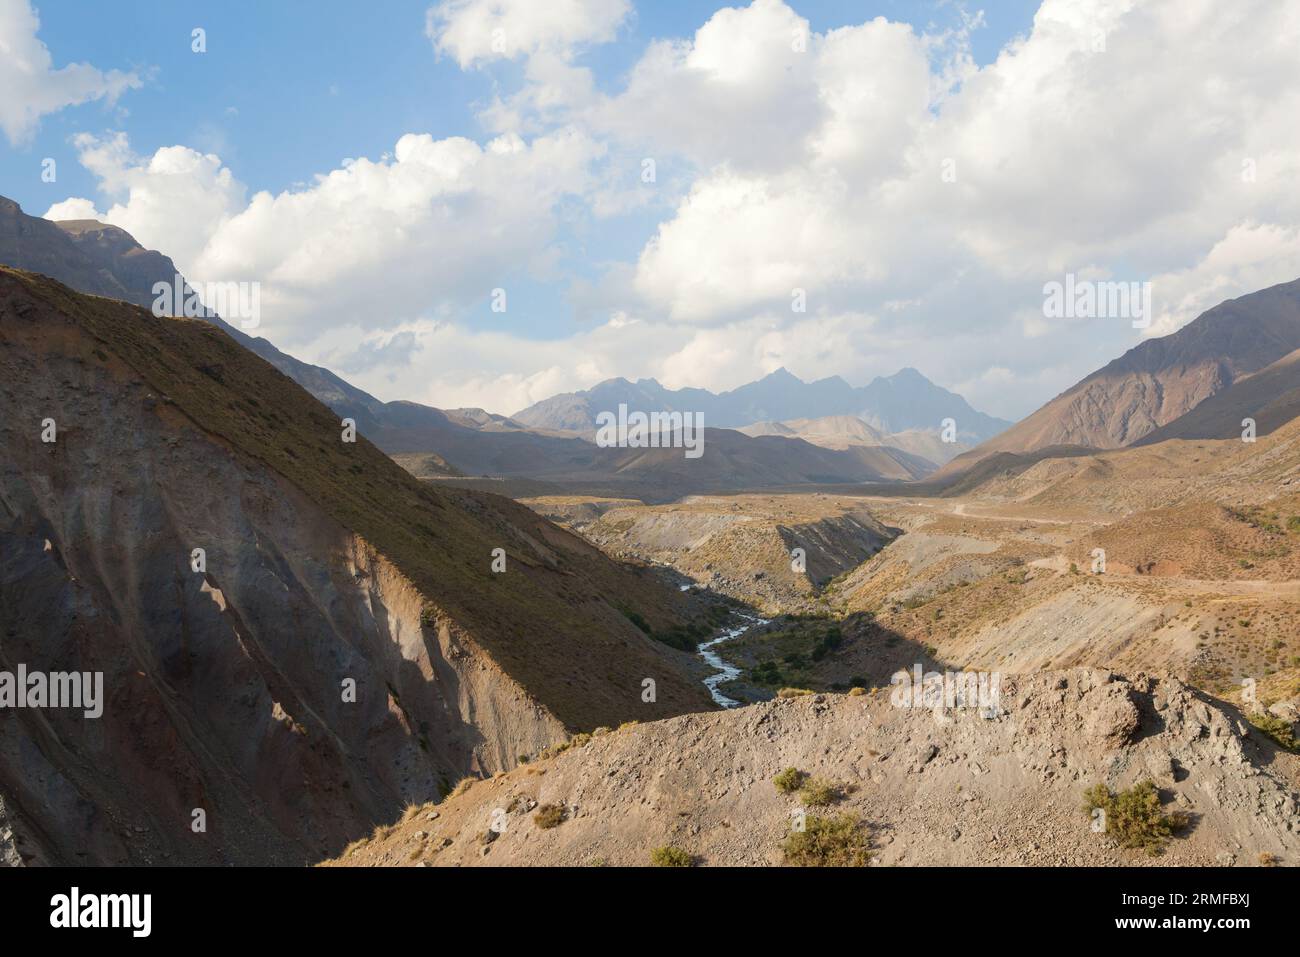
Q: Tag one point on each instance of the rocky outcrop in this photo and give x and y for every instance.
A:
(1002, 785)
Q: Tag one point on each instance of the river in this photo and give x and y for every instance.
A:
(726, 672)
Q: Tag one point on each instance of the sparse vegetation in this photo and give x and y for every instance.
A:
(789, 780)
(549, 816)
(669, 856)
(839, 841)
(818, 792)
(1278, 729)
(1134, 817)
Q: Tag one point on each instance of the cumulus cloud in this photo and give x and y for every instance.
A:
(176, 200)
(1130, 139)
(426, 230)
(33, 87)
(918, 202)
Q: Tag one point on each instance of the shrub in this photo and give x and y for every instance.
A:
(766, 673)
(669, 856)
(857, 690)
(549, 816)
(637, 619)
(1276, 728)
(793, 692)
(818, 792)
(1134, 817)
(789, 780)
(839, 841)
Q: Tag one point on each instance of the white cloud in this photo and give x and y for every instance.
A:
(1118, 138)
(427, 230)
(1250, 257)
(176, 201)
(475, 31)
(1115, 135)
(32, 87)
(73, 209)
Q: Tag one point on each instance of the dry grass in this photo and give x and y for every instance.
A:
(549, 816)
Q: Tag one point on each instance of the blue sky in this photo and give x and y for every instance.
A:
(1105, 158)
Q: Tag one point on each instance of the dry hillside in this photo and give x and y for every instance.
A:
(921, 786)
(325, 563)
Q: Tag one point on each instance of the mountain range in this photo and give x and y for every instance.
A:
(904, 401)
(104, 260)
(1237, 360)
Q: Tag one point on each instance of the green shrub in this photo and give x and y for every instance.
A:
(789, 780)
(818, 792)
(766, 673)
(1134, 817)
(1276, 728)
(839, 841)
(549, 816)
(669, 856)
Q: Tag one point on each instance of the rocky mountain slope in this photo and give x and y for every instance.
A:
(1160, 380)
(906, 400)
(1270, 396)
(325, 568)
(929, 786)
(96, 261)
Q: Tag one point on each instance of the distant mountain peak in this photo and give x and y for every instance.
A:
(908, 374)
(781, 374)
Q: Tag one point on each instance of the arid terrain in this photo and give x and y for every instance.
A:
(924, 786)
(567, 654)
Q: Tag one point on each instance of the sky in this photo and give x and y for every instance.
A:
(486, 202)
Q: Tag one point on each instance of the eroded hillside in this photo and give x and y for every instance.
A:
(772, 551)
(324, 564)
